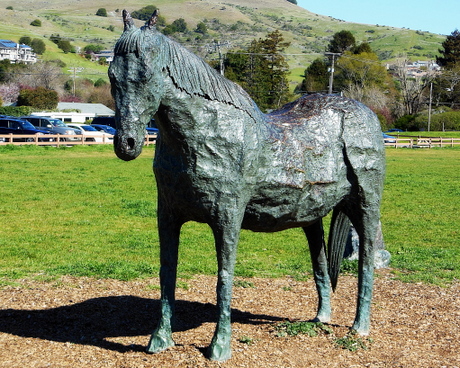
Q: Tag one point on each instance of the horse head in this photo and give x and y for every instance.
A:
(136, 80)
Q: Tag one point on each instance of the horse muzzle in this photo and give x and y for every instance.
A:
(127, 147)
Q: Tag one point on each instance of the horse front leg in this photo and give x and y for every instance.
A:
(169, 231)
(226, 234)
(315, 237)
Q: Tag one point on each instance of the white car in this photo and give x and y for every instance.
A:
(91, 134)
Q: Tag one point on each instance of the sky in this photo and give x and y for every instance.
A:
(435, 16)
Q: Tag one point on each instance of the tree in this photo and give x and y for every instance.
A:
(201, 28)
(341, 42)
(262, 71)
(93, 49)
(446, 86)
(362, 69)
(25, 40)
(451, 51)
(65, 46)
(316, 77)
(101, 12)
(45, 74)
(39, 98)
(38, 46)
(412, 89)
(9, 92)
(145, 13)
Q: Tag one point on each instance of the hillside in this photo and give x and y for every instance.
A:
(235, 22)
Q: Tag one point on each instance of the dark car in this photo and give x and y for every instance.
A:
(10, 125)
(104, 120)
(105, 128)
(110, 121)
(388, 138)
(52, 125)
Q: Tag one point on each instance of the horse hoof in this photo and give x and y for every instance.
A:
(361, 331)
(219, 353)
(159, 343)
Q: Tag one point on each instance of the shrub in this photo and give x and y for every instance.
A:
(36, 23)
(15, 110)
(101, 12)
(145, 13)
(38, 46)
(39, 98)
(25, 40)
(65, 46)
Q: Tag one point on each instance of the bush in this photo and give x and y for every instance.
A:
(38, 46)
(39, 98)
(101, 12)
(145, 13)
(36, 23)
(65, 46)
(15, 110)
(446, 121)
(25, 40)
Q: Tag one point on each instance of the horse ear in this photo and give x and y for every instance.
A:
(153, 20)
(127, 20)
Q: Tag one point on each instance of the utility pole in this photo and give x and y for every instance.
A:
(75, 70)
(216, 46)
(331, 69)
(429, 106)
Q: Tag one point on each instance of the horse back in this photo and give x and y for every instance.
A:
(307, 168)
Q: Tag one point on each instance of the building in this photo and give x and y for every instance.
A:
(74, 112)
(16, 53)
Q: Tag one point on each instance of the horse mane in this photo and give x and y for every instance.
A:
(189, 72)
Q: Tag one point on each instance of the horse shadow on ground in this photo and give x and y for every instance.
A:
(94, 320)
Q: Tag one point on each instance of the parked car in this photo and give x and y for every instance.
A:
(105, 128)
(394, 130)
(104, 120)
(14, 125)
(54, 126)
(151, 131)
(110, 121)
(388, 138)
(93, 134)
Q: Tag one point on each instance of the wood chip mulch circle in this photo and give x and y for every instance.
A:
(83, 322)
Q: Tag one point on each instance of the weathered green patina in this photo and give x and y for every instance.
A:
(219, 160)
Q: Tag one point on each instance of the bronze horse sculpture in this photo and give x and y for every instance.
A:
(219, 160)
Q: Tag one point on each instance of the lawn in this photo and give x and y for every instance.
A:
(82, 211)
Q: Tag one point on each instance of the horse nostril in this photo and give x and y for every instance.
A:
(130, 143)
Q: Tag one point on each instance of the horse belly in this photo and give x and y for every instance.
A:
(276, 209)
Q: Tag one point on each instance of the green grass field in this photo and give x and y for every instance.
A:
(81, 211)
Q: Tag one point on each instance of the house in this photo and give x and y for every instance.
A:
(74, 112)
(106, 54)
(16, 53)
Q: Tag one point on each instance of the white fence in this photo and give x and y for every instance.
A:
(423, 142)
(61, 140)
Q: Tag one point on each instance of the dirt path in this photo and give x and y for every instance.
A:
(82, 322)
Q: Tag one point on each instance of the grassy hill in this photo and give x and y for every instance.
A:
(236, 22)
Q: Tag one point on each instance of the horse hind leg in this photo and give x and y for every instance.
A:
(364, 213)
(366, 228)
(315, 237)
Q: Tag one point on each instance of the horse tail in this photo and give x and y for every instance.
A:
(338, 235)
